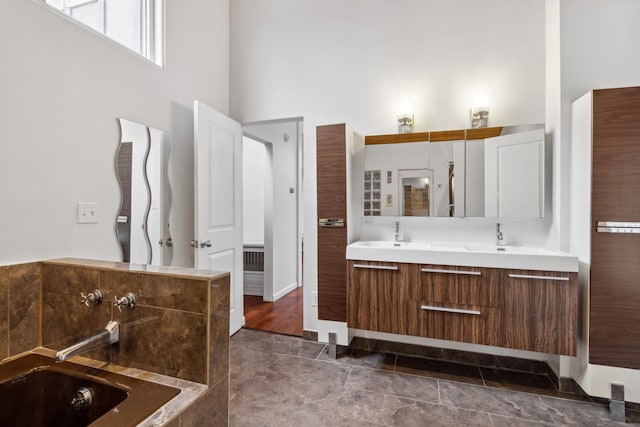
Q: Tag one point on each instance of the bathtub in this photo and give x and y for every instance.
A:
(37, 391)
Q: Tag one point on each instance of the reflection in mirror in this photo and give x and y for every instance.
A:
(415, 192)
(142, 225)
(447, 160)
(441, 162)
(505, 175)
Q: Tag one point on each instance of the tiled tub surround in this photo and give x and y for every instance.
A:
(178, 328)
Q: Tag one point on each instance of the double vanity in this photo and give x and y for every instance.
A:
(517, 297)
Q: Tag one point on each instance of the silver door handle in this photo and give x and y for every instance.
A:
(449, 310)
(205, 244)
(439, 270)
(376, 267)
(529, 276)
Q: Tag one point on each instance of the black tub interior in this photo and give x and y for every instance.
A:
(43, 398)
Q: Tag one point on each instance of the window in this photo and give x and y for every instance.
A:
(135, 24)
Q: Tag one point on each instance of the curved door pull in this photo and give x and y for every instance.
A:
(205, 244)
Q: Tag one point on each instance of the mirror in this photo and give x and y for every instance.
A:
(505, 174)
(414, 179)
(489, 172)
(142, 224)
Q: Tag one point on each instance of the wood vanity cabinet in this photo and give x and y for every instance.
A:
(541, 309)
(376, 294)
(519, 309)
(454, 303)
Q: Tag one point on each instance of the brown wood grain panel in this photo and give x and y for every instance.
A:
(482, 133)
(615, 193)
(331, 171)
(332, 203)
(614, 324)
(483, 328)
(434, 136)
(332, 274)
(396, 138)
(456, 288)
(376, 297)
(446, 135)
(540, 315)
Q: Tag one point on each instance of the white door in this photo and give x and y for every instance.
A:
(514, 175)
(218, 200)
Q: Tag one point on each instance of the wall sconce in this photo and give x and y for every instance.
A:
(480, 112)
(405, 117)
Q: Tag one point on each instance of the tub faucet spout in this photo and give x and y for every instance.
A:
(109, 335)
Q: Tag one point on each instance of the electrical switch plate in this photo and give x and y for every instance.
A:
(314, 303)
(87, 213)
(389, 200)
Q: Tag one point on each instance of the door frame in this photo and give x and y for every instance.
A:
(299, 183)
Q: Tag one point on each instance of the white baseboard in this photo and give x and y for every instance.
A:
(293, 286)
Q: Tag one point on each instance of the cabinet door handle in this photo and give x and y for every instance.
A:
(528, 276)
(376, 267)
(449, 310)
(437, 270)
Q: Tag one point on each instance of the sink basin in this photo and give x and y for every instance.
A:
(463, 253)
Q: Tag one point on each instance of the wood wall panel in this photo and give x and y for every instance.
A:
(332, 203)
(540, 315)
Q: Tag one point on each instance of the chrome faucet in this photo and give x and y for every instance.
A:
(109, 335)
(396, 236)
(499, 235)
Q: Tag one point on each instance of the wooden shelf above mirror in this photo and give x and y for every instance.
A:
(434, 136)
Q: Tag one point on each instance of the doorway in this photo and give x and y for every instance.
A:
(272, 225)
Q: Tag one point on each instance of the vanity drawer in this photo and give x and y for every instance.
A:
(376, 292)
(456, 285)
(455, 322)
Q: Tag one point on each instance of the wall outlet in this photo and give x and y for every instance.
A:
(314, 302)
(87, 213)
(389, 200)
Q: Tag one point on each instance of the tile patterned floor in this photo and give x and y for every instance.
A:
(285, 381)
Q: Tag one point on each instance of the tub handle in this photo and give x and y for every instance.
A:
(94, 298)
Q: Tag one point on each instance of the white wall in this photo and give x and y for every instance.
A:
(254, 159)
(62, 88)
(355, 61)
(282, 137)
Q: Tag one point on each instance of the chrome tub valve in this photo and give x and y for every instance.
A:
(94, 298)
(127, 301)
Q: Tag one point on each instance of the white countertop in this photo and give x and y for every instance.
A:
(463, 254)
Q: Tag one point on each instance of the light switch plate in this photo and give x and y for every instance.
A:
(87, 213)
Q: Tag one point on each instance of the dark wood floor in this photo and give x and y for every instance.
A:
(282, 317)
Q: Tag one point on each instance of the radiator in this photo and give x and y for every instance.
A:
(253, 260)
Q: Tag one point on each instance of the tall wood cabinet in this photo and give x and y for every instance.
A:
(331, 141)
(606, 124)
